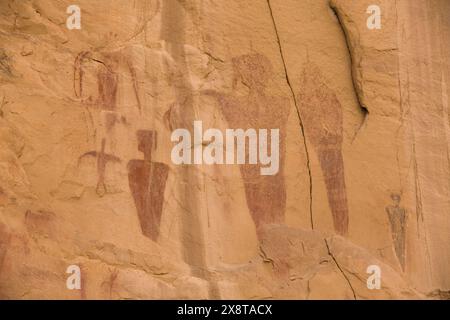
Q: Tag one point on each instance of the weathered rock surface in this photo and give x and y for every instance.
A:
(86, 176)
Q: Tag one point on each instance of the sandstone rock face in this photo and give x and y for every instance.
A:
(87, 178)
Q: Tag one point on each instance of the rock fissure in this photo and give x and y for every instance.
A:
(340, 269)
(302, 128)
(363, 108)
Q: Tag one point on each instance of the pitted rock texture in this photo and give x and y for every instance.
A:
(86, 176)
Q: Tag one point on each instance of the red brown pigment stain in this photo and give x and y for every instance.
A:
(3, 197)
(322, 118)
(147, 181)
(110, 283)
(40, 221)
(107, 81)
(134, 80)
(5, 240)
(83, 282)
(78, 73)
(110, 120)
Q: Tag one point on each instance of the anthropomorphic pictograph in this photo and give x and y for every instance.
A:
(147, 181)
(321, 113)
(266, 195)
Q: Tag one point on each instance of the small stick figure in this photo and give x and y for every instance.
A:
(397, 218)
(102, 159)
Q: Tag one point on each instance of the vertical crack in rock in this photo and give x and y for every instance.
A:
(340, 269)
(302, 128)
(322, 115)
(363, 108)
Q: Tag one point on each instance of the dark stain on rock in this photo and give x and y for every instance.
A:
(110, 120)
(134, 80)
(110, 282)
(78, 73)
(3, 196)
(5, 63)
(107, 88)
(40, 221)
(5, 239)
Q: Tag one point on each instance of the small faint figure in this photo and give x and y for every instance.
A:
(109, 284)
(5, 63)
(397, 218)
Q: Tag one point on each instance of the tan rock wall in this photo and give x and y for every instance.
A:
(86, 176)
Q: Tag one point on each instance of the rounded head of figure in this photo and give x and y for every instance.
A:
(253, 69)
(396, 198)
(146, 139)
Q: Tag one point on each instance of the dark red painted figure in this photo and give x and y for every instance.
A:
(147, 182)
